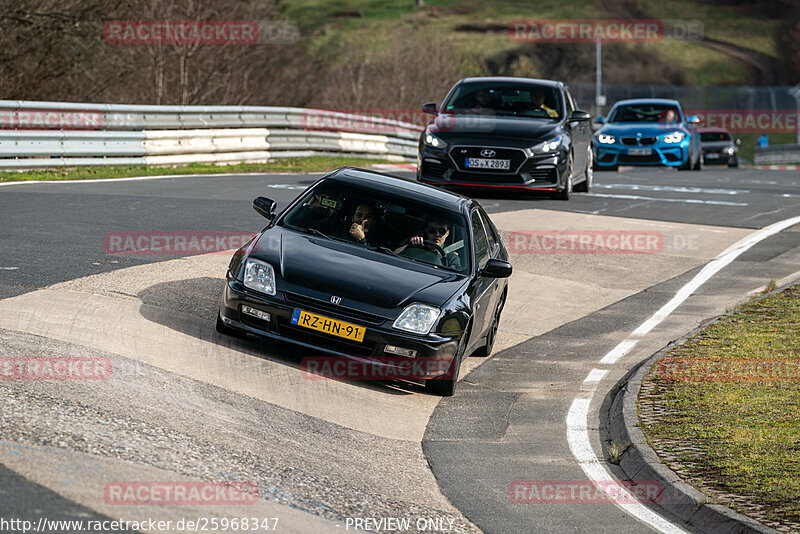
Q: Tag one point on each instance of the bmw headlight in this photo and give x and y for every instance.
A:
(259, 276)
(417, 318)
(435, 142)
(548, 146)
(674, 137)
(606, 139)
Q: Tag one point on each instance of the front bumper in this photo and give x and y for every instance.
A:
(672, 155)
(718, 158)
(434, 353)
(532, 172)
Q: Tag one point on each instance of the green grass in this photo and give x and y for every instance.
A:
(353, 39)
(739, 437)
(724, 23)
(311, 164)
(747, 147)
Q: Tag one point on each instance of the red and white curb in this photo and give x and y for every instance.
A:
(778, 167)
(395, 167)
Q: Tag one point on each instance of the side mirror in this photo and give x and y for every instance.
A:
(496, 269)
(580, 116)
(600, 119)
(693, 119)
(430, 107)
(738, 141)
(265, 207)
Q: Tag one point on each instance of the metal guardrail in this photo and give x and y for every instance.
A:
(49, 134)
(776, 155)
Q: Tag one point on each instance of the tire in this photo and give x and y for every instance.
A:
(564, 193)
(613, 168)
(733, 164)
(446, 387)
(491, 336)
(588, 174)
(699, 165)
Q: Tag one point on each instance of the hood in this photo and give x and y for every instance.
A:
(450, 127)
(647, 129)
(352, 272)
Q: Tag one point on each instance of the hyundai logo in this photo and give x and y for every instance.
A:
(488, 153)
(335, 299)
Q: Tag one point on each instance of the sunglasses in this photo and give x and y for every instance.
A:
(437, 230)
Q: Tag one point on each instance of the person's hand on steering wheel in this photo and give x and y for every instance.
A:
(418, 241)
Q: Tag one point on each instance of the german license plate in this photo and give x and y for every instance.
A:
(640, 151)
(482, 163)
(328, 325)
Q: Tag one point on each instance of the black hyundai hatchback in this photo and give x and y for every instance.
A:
(376, 269)
(508, 133)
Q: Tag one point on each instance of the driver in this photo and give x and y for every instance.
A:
(537, 102)
(436, 231)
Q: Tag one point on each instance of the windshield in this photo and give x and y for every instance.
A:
(382, 222)
(663, 113)
(715, 136)
(505, 99)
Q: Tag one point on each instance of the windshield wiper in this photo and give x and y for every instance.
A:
(314, 231)
(385, 250)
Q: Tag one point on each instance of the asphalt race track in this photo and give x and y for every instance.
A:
(186, 404)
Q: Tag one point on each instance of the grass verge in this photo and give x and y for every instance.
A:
(721, 409)
(310, 164)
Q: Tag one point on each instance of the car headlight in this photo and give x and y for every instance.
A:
(435, 142)
(259, 276)
(729, 150)
(674, 137)
(606, 139)
(548, 146)
(417, 318)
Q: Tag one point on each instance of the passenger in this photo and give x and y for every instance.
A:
(363, 220)
(320, 214)
(485, 101)
(437, 231)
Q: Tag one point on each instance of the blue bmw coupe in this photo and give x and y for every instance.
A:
(648, 131)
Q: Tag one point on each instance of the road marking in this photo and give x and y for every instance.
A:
(8, 268)
(287, 186)
(673, 189)
(578, 415)
(581, 447)
(681, 200)
(595, 375)
(159, 177)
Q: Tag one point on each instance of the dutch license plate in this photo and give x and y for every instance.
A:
(481, 163)
(640, 151)
(328, 325)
